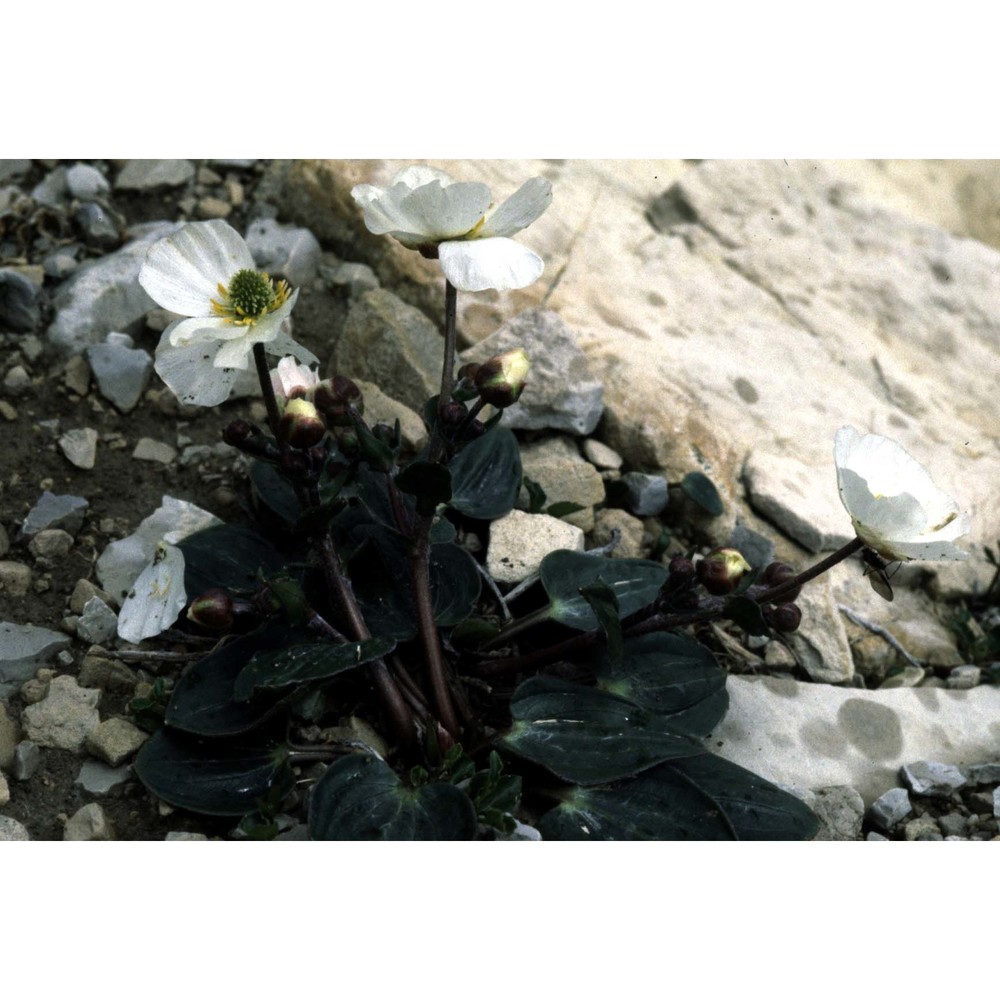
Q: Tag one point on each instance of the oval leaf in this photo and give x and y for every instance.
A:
(588, 736)
(214, 777)
(702, 491)
(232, 556)
(634, 583)
(316, 661)
(486, 476)
(361, 798)
(697, 798)
(203, 702)
(672, 675)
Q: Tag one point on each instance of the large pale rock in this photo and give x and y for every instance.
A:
(388, 342)
(561, 393)
(104, 295)
(820, 644)
(815, 735)
(730, 306)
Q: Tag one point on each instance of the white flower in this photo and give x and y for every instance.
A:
(895, 507)
(290, 377)
(206, 272)
(427, 210)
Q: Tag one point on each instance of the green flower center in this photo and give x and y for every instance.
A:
(251, 295)
(250, 292)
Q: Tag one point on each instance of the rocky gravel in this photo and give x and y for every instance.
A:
(95, 449)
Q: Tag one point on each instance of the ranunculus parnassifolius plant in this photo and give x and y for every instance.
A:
(895, 507)
(427, 210)
(205, 272)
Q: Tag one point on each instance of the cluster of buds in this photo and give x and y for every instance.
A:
(721, 572)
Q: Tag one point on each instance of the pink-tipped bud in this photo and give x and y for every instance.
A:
(502, 378)
(214, 610)
(301, 425)
(783, 617)
(721, 570)
(777, 573)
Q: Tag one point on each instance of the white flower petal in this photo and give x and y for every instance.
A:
(444, 212)
(197, 329)
(236, 353)
(501, 263)
(289, 376)
(190, 374)
(157, 597)
(525, 205)
(182, 271)
(894, 505)
(420, 174)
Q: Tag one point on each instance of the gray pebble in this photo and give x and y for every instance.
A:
(84, 181)
(888, 809)
(23, 649)
(144, 175)
(98, 778)
(98, 225)
(983, 774)
(27, 760)
(647, 495)
(964, 677)
(931, 778)
(953, 824)
(19, 302)
(10, 829)
(122, 372)
(922, 828)
(98, 623)
(55, 511)
(52, 190)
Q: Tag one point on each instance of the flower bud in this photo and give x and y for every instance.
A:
(301, 426)
(237, 432)
(721, 570)
(334, 395)
(777, 573)
(454, 414)
(502, 378)
(682, 571)
(783, 617)
(468, 371)
(214, 609)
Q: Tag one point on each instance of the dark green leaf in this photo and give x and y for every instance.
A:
(604, 604)
(747, 614)
(220, 778)
(272, 492)
(702, 491)
(317, 661)
(381, 575)
(361, 798)
(588, 736)
(697, 798)
(486, 476)
(634, 582)
(671, 675)
(203, 701)
(536, 495)
(374, 451)
(229, 556)
(429, 482)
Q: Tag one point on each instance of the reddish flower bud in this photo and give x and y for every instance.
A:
(721, 570)
(783, 617)
(502, 378)
(777, 573)
(468, 371)
(682, 571)
(334, 396)
(214, 609)
(237, 432)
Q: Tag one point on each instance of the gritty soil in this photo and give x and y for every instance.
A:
(121, 491)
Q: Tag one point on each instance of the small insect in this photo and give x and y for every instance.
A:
(875, 570)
